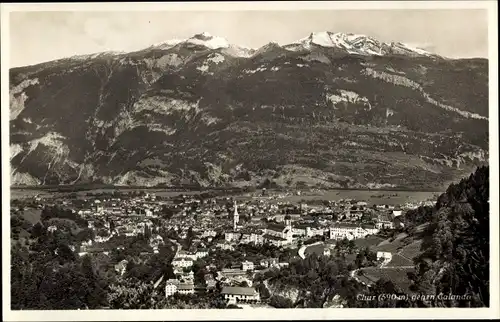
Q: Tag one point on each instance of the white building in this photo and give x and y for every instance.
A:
(183, 262)
(185, 288)
(240, 294)
(208, 233)
(351, 231)
(275, 240)
(52, 229)
(247, 265)
(251, 238)
(202, 252)
(171, 287)
(397, 213)
(224, 246)
(185, 254)
(386, 256)
(314, 231)
(232, 236)
(282, 231)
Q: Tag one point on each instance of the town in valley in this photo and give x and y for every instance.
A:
(226, 247)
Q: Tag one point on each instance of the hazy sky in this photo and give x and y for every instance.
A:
(42, 36)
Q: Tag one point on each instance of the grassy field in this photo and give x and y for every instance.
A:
(27, 193)
(391, 245)
(398, 260)
(370, 196)
(315, 249)
(370, 241)
(398, 276)
(412, 250)
(32, 215)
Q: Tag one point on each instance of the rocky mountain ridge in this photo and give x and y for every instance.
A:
(346, 112)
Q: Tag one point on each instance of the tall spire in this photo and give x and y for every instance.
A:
(236, 216)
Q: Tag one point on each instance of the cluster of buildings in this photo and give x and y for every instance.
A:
(223, 223)
(287, 229)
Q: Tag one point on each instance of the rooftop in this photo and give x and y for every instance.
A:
(249, 291)
(271, 237)
(185, 286)
(345, 225)
(276, 227)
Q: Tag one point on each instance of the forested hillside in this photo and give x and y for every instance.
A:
(454, 259)
(456, 253)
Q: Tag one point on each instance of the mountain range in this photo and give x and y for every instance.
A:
(331, 110)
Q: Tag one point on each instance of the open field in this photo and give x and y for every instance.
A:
(398, 260)
(412, 250)
(370, 196)
(20, 193)
(391, 246)
(32, 215)
(399, 276)
(369, 241)
(315, 249)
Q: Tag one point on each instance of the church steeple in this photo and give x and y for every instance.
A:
(236, 216)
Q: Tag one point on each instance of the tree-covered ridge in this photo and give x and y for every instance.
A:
(455, 258)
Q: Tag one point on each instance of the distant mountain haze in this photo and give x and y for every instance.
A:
(330, 110)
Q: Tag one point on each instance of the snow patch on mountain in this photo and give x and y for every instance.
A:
(164, 61)
(216, 58)
(212, 58)
(209, 41)
(239, 51)
(354, 44)
(261, 68)
(161, 128)
(97, 55)
(168, 44)
(164, 105)
(210, 120)
(348, 97)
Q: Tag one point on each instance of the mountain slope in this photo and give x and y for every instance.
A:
(207, 112)
(455, 254)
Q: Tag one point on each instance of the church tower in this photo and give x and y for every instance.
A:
(288, 221)
(236, 216)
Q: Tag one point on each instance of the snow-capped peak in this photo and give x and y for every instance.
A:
(201, 39)
(354, 44)
(99, 54)
(209, 41)
(204, 34)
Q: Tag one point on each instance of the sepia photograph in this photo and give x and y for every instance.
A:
(225, 160)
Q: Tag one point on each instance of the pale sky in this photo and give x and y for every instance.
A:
(43, 36)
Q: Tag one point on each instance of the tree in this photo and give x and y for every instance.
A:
(279, 301)
(263, 291)
(455, 258)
